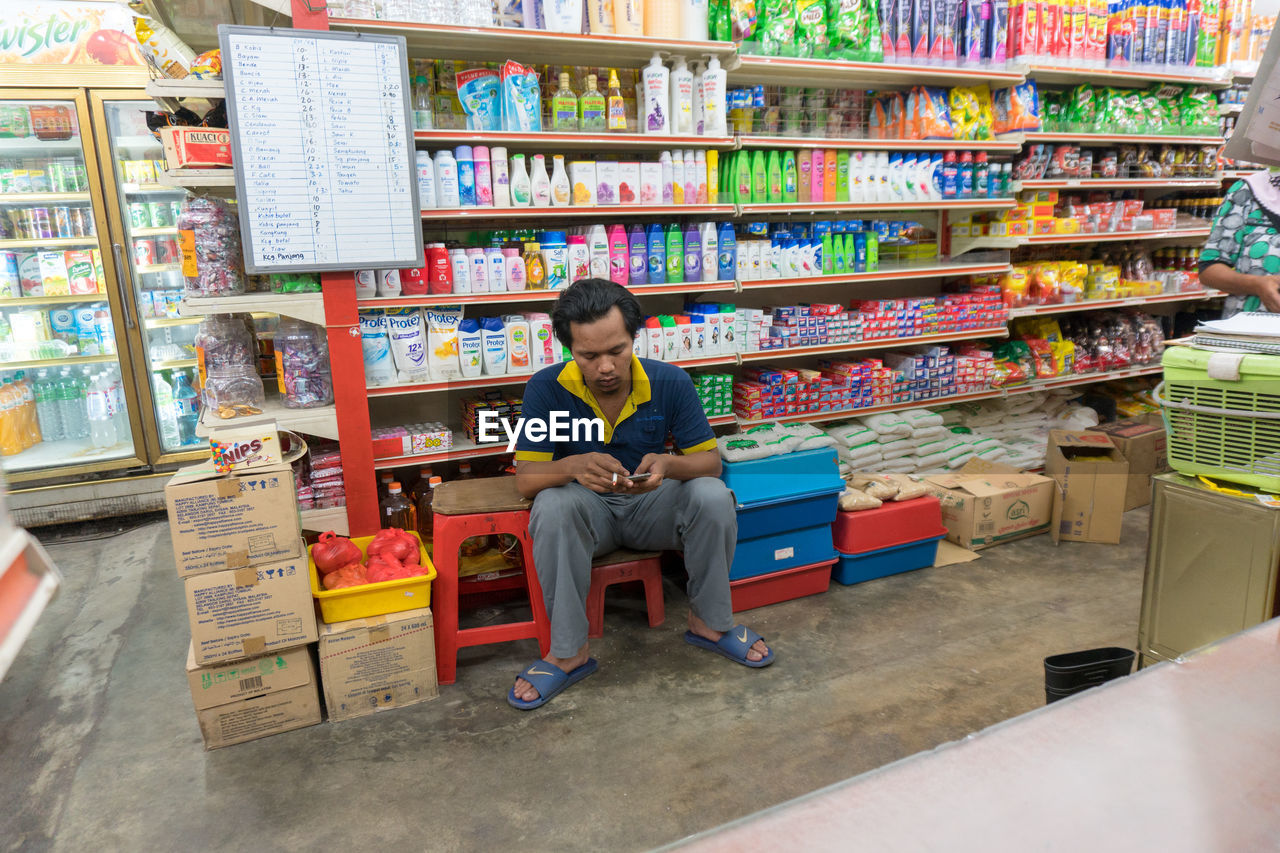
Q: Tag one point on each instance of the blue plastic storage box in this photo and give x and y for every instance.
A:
(807, 472)
(785, 550)
(765, 518)
(856, 568)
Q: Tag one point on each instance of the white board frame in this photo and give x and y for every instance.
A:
(225, 31)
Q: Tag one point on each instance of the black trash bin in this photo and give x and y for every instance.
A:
(1075, 671)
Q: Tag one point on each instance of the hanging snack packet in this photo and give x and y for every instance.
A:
(811, 28)
(1016, 108)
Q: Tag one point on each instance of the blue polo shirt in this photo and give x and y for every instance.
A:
(662, 400)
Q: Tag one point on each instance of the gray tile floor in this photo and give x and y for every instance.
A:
(99, 746)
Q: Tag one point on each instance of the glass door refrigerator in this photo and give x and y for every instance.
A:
(67, 389)
(143, 216)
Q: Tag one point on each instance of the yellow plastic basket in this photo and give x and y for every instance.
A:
(373, 599)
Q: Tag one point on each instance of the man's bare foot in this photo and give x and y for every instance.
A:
(758, 651)
(527, 692)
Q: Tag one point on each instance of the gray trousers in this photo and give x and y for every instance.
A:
(571, 524)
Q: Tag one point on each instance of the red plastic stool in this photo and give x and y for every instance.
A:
(622, 566)
(482, 507)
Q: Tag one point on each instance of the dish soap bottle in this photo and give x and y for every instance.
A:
(564, 107)
(592, 108)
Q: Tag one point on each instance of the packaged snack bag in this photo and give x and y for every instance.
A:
(811, 28)
(778, 27)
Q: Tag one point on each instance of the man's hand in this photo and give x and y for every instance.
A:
(599, 472)
(1267, 288)
(656, 464)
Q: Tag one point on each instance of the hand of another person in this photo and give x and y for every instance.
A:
(656, 464)
(599, 472)
(1268, 288)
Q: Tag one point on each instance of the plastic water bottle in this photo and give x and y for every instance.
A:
(69, 397)
(185, 408)
(82, 383)
(48, 407)
(102, 432)
(166, 414)
(115, 402)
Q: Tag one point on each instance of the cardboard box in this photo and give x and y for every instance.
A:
(1092, 477)
(253, 698)
(230, 522)
(245, 448)
(986, 503)
(243, 613)
(369, 665)
(1144, 445)
(196, 147)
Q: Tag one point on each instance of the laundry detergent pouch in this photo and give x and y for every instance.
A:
(408, 344)
(521, 99)
(442, 341)
(379, 368)
(811, 28)
(930, 115)
(479, 93)
(1016, 108)
(778, 27)
(970, 108)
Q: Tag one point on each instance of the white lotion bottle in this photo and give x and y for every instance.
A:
(693, 19)
(656, 83)
(501, 178)
(560, 191)
(521, 187)
(699, 114)
(426, 180)
(681, 113)
(563, 16)
(540, 182)
(715, 122)
(447, 193)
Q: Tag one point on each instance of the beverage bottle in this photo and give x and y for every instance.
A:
(424, 506)
(422, 486)
(9, 445)
(47, 409)
(385, 479)
(113, 403)
(101, 430)
(75, 403)
(166, 414)
(30, 414)
(396, 510)
(186, 411)
(422, 119)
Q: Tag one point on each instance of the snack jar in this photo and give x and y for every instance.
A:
(209, 235)
(227, 388)
(302, 364)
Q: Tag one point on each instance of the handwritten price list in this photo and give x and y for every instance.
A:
(324, 154)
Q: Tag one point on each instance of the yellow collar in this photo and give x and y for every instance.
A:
(641, 392)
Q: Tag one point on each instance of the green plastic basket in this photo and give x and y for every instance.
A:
(1228, 429)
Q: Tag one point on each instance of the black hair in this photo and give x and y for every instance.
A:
(589, 299)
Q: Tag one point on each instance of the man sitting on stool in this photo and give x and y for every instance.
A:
(586, 504)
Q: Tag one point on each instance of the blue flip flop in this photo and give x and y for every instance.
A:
(548, 679)
(733, 645)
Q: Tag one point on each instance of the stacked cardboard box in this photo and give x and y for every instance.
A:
(239, 551)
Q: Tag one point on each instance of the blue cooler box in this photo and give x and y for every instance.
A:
(786, 505)
(856, 568)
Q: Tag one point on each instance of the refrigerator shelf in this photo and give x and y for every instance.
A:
(59, 362)
(172, 365)
(42, 198)
(19, 301)
(50, 455)
(32, 143)
(154, 232)
(322, 421)
(150, 268)
(138, 189)
(165, 322)
(49, 243)
(198, 178)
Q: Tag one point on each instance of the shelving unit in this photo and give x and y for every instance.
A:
(1101, 304)
(876, 206)
(1115, 237)
(884, 273)
(43, 198)
(69, 361)
(1007, 144)
(50, 243)
(577, 212)
(322, 421)
(301, 306)
(1117, 183)
(835, 73)
(1135, 75)
(321, 520)
(556, 141)
(1120, 138)
(21, 301)
(876, 344)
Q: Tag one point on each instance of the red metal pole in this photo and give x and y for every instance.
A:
(305, 17)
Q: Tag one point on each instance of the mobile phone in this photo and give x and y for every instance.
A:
(640, 478)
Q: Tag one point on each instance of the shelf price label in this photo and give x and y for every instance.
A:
(321, 133)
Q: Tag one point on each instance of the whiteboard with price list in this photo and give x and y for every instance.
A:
(322, 142)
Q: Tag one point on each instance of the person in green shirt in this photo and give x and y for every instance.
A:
(1242, 254)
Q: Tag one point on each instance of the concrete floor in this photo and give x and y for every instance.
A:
(99, 746)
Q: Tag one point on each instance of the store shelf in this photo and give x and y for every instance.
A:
(886, 273)
(172, 230)
(322, 421)
(1117, 236)
(49, 146)
(1230, 109)
(163, 322)
(43, 198)
(963, 245)
(1239, 174)
(134, 143)
(21, 301)
(520, 296)
(199, 178)
(322, 520)
(147, 269)
(462, 449)
(1244, 72)
(1100, 304)
(1006, 144)
(1085, 379)
(50, 243)
(69, 361)
(1121, 138)
(168, 93)
(1137, 75)
(835, 73)
(877, 344)
(175, 364)
(877, 206)
(145, 189)
(614, 210)
(537, 46)
(570, 141)
(301, 306)
(1117, 183)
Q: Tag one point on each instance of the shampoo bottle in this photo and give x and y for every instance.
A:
(618, 267)
(501, 177)
(804, 169)
(540, 182)
(773, 171)
(598, 250)
(759, 177)
(741, 177)
(668, 177)
(657, 255)
(818, 176)
(842, 176)
(675, 254)
(638, 255)
(699, 177)
(726, 253)
(831, 178)
(699, 114)
(713, 176)
(521, 186)
(691, 177)
(677, 177)
(692, 253)
(656, 82)
(707, 241)
(790, 179)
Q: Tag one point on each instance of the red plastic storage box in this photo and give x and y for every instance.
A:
(889, 526)
(777, 587)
